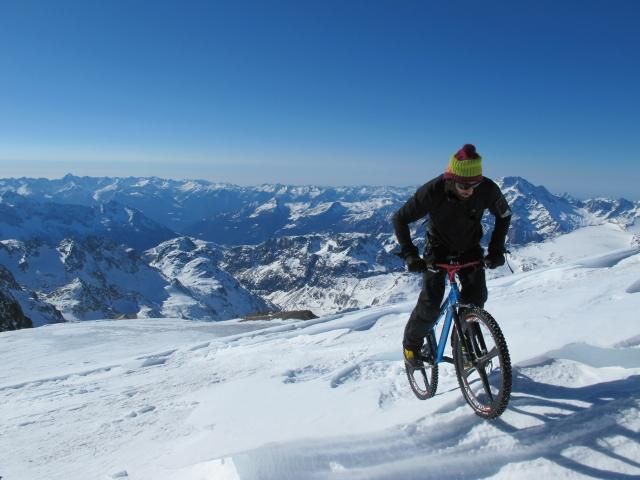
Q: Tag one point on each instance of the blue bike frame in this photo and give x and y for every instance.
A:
(446, 311)
(448, 308)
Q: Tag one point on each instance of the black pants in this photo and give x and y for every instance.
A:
(473, 291)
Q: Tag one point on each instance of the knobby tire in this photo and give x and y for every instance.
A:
(424, 381)
(485, 385)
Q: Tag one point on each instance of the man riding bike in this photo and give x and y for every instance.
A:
(455, 203)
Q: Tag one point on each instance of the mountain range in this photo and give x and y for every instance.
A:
(87, 247)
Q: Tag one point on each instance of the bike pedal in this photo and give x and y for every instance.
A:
(427, 359)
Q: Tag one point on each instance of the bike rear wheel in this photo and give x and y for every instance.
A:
(424, 381)
(484, 373)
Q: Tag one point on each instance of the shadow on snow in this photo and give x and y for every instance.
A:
(565, 416)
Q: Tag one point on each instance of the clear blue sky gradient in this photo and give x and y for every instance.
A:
(323, 92)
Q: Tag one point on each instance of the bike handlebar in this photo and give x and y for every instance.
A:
(456, 267)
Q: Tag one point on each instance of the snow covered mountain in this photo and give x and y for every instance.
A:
(11, 315)
(328, 398)
(233, 215)
(85, 279)
(324, 273)
(94, 278)
(21, 308)
(27, 218)
(247, 249)
(201, 289)
(539, 215)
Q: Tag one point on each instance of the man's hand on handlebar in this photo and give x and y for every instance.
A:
(494, 259)
(415, 263)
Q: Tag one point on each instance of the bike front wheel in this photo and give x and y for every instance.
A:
(424, 381)
(484, 373)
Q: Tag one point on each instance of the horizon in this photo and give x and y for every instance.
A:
(329, 93)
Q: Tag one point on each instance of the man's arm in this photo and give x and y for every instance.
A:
(502, 212)
(414, 209)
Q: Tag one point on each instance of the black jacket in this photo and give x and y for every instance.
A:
(454, 224)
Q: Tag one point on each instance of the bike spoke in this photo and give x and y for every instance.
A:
(477, 341)
(486, 384)
(488, 357)
(468, 371)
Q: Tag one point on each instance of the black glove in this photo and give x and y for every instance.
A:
(415, 263)
(495, 259)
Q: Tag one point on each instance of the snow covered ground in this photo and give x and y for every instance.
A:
(328, 398)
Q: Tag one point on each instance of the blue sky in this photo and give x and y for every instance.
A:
(323, 92)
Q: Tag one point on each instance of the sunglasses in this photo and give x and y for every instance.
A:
(467, 186)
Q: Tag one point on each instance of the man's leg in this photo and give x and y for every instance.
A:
(426, 310)
(474, 292)
(474, 287)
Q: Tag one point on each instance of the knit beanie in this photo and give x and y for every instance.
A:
(465, 165)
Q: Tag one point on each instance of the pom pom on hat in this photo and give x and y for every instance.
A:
(467, 152)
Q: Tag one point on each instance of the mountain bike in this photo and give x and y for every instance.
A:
(479, 352)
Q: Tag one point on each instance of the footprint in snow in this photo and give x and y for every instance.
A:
(118, 474)
(142, 411)
(303, 374)
(634, 287)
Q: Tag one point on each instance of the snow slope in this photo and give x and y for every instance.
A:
(327, 398)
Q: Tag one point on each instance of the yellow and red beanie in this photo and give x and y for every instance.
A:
(465, 165)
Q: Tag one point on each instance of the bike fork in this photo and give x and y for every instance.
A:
(465, 339)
